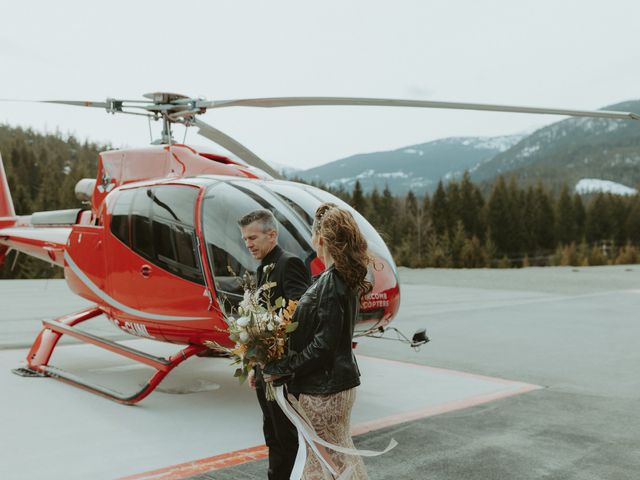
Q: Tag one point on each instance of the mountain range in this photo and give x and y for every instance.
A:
(563, 152)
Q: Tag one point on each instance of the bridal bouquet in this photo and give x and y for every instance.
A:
(258, 327)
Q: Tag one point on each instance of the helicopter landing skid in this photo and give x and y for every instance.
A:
(52, 331)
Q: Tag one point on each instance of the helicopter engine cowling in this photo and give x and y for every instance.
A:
(84, 189)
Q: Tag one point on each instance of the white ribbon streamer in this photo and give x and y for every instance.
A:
(308, 436)
(301, 458)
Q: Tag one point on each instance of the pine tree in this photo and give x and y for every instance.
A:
(580, 215)
(499, 216)
(628, 254)
(457, 245)
(619, 207)
(426, 226)
(529, 220)
(633, 221)
(471, 204)
(374, 209)
(387, 214)
(438, 255)
(357, 199)
(515, 220)
(545, 221)
(440, 211)
(413, 226)
(454, 207)
(490, 249)
(473, 254)
(566, 227)
(599, 224)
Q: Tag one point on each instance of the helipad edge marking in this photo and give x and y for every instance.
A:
(187, 469)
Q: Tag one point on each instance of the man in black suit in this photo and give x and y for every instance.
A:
(260, 234)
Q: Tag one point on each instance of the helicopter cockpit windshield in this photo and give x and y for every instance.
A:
(304, 199)
(293, 205)
(224, 204)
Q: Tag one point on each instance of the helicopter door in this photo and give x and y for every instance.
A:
(154, 260)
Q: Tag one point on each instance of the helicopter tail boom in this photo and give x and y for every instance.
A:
(47, 244)
(42, 235)
(7, 212)
(6, 202)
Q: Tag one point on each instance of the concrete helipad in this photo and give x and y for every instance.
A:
(465, 407)
(200, 411)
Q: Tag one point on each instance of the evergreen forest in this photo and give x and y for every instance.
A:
(511, 226)
(42, 171)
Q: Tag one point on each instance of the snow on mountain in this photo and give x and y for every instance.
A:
(412, 151)
(561, 153)
(398, 174)
(596, 185)
(413, 167)
(573, 149)
(528, 150)
(501, 144)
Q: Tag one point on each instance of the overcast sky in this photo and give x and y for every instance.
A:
(577, 54)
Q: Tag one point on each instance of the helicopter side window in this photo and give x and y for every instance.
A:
(120, 216)
(174, 203)
(141, 239)
(172, 226)
(162, 227)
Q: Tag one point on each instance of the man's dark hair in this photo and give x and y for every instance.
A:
(264, 217)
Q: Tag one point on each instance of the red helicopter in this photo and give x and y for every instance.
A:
(156, 247)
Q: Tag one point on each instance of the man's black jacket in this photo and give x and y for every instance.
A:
(289, 273)
(320, 359)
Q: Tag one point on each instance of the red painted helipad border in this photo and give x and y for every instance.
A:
(204, 465)
(184, 470)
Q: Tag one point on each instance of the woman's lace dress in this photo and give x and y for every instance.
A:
(330, 416)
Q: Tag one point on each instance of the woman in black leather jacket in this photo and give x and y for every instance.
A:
(320, 366)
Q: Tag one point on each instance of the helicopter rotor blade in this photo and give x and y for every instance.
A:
(233, 146)
(76, 103)
(389, 102)
(111, 105)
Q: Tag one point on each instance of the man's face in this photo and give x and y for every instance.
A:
(259, 243)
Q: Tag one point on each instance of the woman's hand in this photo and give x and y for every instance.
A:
(252, 378)
(271, 378)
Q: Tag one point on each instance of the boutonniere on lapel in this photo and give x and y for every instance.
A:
(266, 270)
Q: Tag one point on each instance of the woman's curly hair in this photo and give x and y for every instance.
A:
(345, 244)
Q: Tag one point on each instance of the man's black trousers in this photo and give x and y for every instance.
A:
(280, 435)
